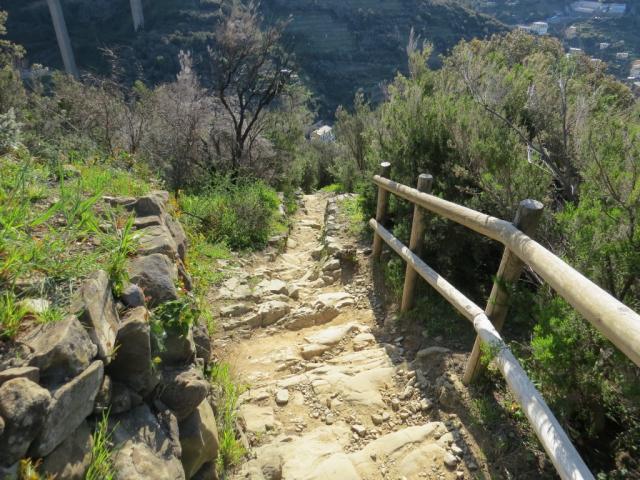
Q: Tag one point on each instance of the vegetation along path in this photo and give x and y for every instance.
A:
(329, 393)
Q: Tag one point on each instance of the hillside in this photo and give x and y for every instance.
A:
(340, 45)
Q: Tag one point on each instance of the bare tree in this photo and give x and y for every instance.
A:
(249, 70)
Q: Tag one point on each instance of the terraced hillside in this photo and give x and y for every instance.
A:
(341, 45)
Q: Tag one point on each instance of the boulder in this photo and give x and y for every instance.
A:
(163, 195)
(71, 459)
(156, 275)
(132, 363)
(157, 239)
(142, 448)
(313, 350)
(362, 341)
(70, 405)
(23, 407)
(60, 349)
(203, 341)
(271, 312)
(30, 373)
(97, 311)
(199, 439)
(149, 205)
(179, 237)
(182, 390)
(178, 349)
(132, 296)
(206, 472)
(272, 286)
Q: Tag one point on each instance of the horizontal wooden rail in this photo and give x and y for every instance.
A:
(612, 318)
(555, 441)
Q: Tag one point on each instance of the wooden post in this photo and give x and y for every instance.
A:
(381, 209)
(511, 266)
(425, 183)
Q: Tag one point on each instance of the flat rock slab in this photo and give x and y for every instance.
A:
(320, 455)
(333, 335)
(335, 299)
(256, 418)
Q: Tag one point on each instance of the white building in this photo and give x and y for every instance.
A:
(635, 69)
(622, 55)
(541, 28)
(323, 134)
(604, 45)
(571, 32)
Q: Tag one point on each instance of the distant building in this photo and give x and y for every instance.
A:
(323, 134)
(575, 51)
(604, 45)
(622, 55)
(571, 31)
(541, 28)
(597, 8)
(590, 8)
(634, 72)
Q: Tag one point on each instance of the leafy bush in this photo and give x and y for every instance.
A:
(239, 214)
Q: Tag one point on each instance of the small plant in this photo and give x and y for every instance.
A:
(176, 316)
(231, 449)
(101, 467)
(11, 313)
(126, 241)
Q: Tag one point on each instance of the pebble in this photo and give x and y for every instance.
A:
(282, 397)
(359, 429)
(329, 419)
(450, 460)
(395, 403)
(377, 419)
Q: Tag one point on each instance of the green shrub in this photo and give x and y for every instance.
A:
(240, 214)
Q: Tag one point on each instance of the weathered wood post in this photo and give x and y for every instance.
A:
(425, 183)
(381, 210)
(527, 217)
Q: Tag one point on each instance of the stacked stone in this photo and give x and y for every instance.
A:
(102, 360)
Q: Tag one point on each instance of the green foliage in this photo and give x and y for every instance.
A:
(101, 466)
(11, 313)
(242, 214)
(226, 392)
(122, 244)
(175, 316)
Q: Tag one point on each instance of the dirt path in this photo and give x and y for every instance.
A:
(331, 396)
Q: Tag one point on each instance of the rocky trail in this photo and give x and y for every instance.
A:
(330, 394)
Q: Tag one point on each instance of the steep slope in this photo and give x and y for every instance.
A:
(340, 45)
(344, 45)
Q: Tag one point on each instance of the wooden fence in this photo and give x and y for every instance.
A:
(613, 319)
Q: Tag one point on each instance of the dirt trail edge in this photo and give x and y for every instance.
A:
(327, 397)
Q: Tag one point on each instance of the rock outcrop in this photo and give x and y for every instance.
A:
(111, 357)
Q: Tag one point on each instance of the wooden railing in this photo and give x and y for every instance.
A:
(613, 319)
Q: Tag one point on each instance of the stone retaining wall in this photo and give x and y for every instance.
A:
(104, 359)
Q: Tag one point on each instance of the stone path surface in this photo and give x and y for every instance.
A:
(327, 398)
